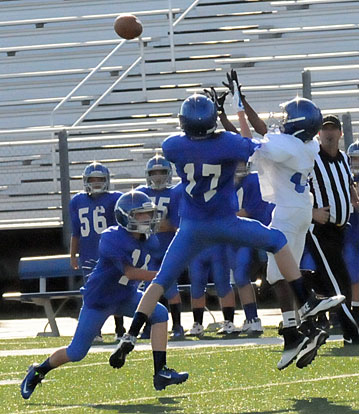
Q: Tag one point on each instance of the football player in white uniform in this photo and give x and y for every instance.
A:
(284, 161)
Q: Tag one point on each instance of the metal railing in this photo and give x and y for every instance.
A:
(173, 24)
(78, 86)
(111, 88)
(139, 60)
(97, 102)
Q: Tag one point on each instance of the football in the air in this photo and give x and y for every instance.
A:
(128, 26)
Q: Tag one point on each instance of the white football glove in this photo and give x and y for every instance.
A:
(237, 101)
(235, 90)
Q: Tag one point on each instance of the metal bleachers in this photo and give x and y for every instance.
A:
(47, 47)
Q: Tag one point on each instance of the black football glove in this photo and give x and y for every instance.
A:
(235, 88)
(218, 100)
(233, 83)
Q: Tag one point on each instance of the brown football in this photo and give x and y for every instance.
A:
(128, 26)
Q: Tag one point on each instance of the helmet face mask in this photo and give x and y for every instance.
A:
(198, 117)
(96, 184)
(302, 119)
(142, 225)
(275, 122)
(96, 178)
(158, 173)
(135, 212)
(353, 154)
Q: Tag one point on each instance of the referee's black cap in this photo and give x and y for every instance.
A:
(332, 119)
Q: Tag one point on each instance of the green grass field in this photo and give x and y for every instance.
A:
(223, 380)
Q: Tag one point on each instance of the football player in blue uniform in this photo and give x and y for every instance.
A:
(251, 206)
(124, 253)
(166, 197)
(351, 243)
(213, 262)
(206, 161)
(91, 212)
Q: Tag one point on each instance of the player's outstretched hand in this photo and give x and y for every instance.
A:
(235, 88)
(217, 99)
(233, 82)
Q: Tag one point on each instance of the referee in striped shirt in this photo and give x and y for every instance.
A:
(333, 189)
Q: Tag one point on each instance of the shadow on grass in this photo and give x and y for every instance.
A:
(138, 408)
(321, 406)
(347, 351)
(307, 406)
(167, 405)
(161, 406)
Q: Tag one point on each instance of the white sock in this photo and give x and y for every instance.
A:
(289, 319)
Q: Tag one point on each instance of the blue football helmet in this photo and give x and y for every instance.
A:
(131, 203)
(198, 117)
(158, 181)
(353, 154)
(96, 169)
(302, 118)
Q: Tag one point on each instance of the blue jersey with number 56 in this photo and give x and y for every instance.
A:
(90, 216)
(206, 168)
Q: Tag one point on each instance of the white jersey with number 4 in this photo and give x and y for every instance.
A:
(284, 163)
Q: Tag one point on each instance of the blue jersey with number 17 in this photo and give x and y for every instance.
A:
(206, 168)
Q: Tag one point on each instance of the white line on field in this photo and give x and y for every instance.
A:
(134, 360)
(191, 394)
(147, 346)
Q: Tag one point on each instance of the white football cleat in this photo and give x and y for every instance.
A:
(228, 328)
(196, 330)
(316, 304)
(252, 327)
(98, 339)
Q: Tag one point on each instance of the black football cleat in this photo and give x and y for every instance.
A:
(31, 380)
(294, 343)
(168, 376)
(307, 355)
(118, 356)
(317, 304)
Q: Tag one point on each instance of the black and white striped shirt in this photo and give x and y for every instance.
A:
(330, 185)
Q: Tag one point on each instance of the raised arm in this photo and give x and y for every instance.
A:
(227, 124)
(243, 106)
(257, 123)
